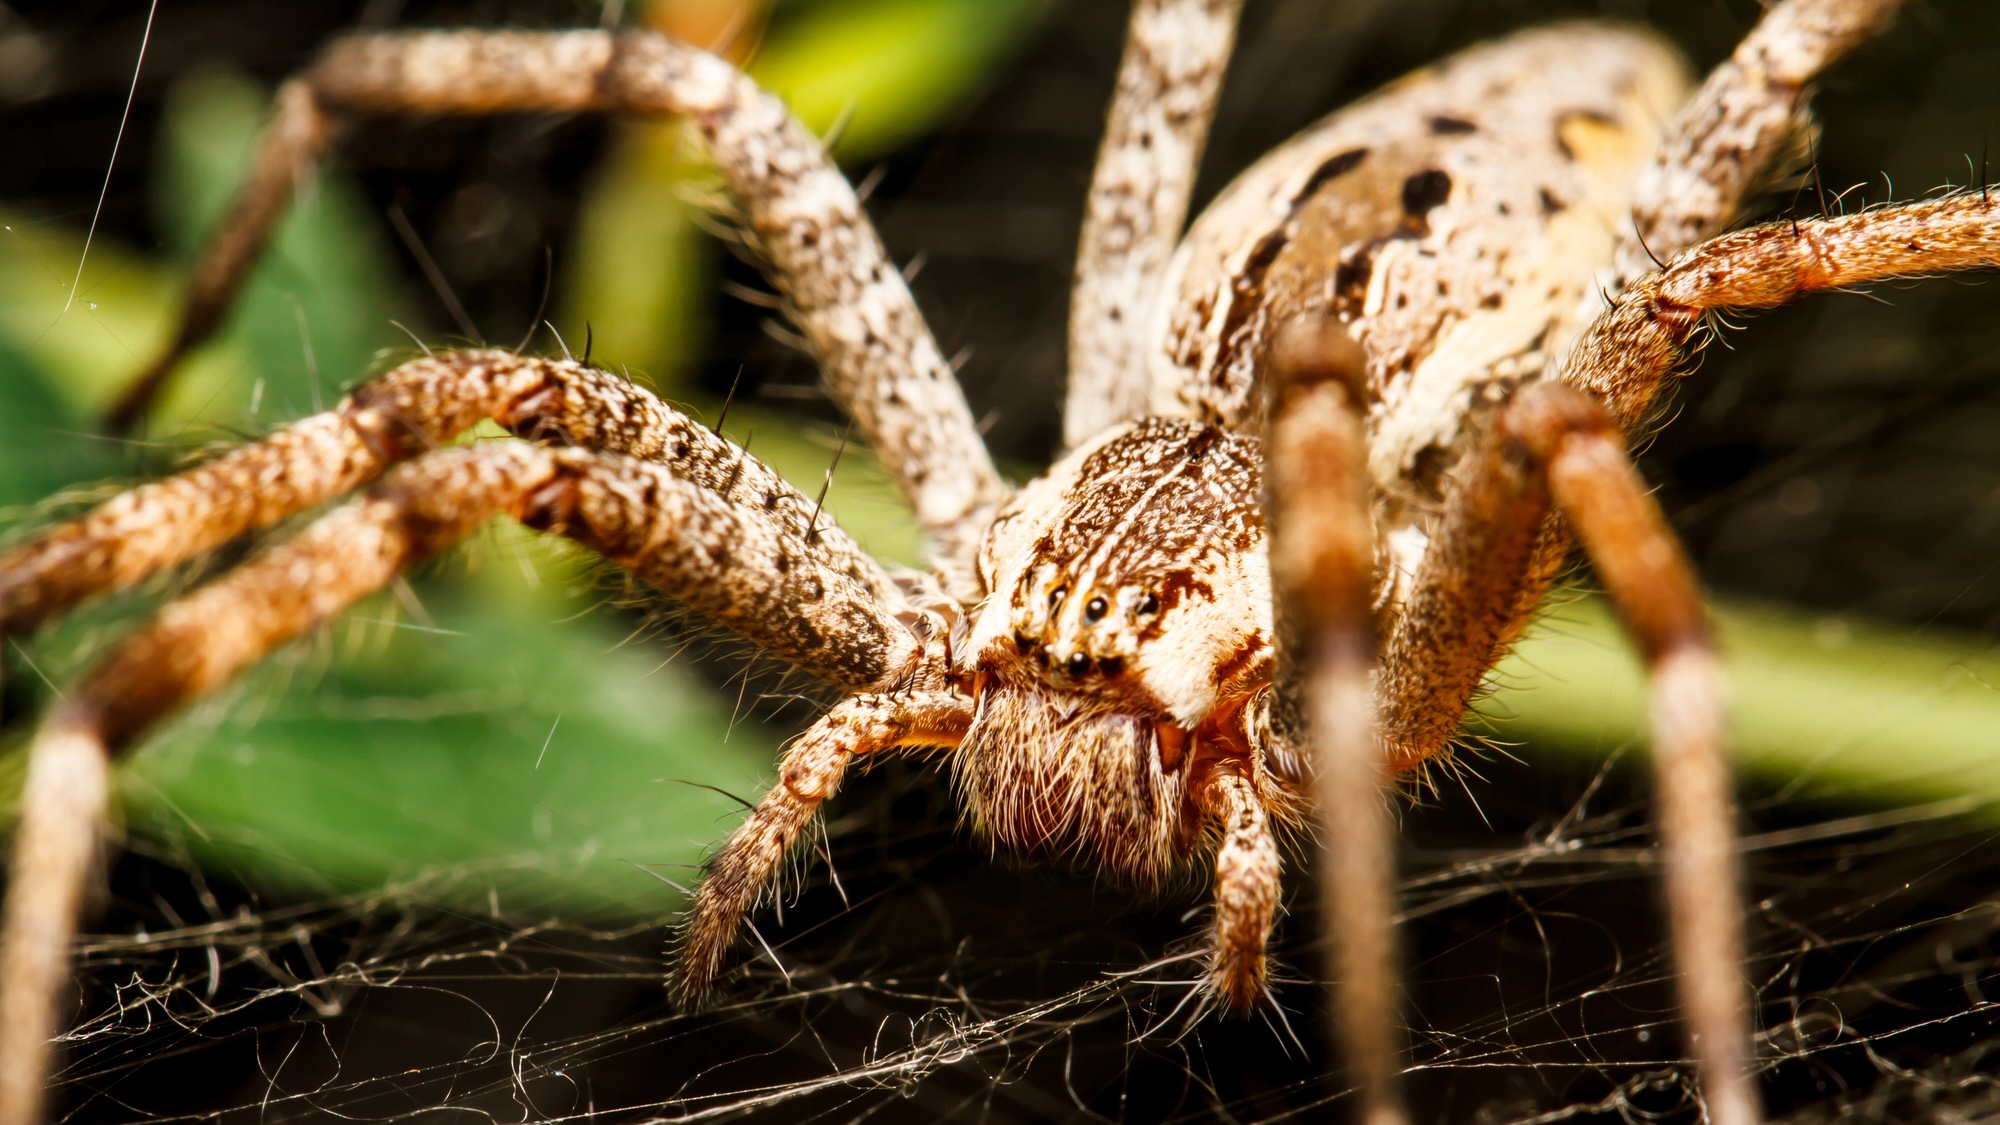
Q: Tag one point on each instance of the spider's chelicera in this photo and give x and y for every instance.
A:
(1327, 451)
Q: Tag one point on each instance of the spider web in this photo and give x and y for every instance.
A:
(926, 982)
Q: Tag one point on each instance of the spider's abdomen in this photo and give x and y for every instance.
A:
(1458, 224)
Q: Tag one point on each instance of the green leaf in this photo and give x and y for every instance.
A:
(641, 274)
(887, 69)
(1822, 704)
(317, 307)
(42, 450)
(495, 752)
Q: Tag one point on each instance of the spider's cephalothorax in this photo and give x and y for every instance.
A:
(1125, 633)
(1398, 407)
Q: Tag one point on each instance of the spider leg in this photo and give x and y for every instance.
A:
(1580, 457)
(1554, 446)
(1322, 563)
(1175, 55)
(1630, 350)
(810, 773)
(1496, 550)
(742, 569)
(414, 407)
(1748, 113)
(840, 287)
(299, 132)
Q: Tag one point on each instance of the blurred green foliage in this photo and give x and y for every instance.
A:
(868, 73)
(1825, 706)
(489, 736)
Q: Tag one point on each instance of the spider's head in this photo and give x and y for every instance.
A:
(1133, 574)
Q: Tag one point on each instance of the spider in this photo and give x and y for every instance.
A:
(1327, 451)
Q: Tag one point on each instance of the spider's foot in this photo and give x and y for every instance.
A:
(1238, 975)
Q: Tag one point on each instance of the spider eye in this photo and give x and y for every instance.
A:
(1056, 596)
(1093, 610)
(1079, 664)
(1149, 605)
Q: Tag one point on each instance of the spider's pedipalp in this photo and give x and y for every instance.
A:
(1724, 142)
(1248, 882)
(810, 772)
(1322, 575)
(1168, 81)
(839, 285)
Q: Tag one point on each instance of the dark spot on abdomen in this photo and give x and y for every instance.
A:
(1332, 169)
(1451, 126)
(1424, 191)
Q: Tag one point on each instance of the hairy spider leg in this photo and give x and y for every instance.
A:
(1623, 358)
(408, 410)
(1630, 351)
(1725, 142)
(1168, 80)
(1554, 446)
(1731, 137)
(839, 286)
(733, 563)
(1323, 578)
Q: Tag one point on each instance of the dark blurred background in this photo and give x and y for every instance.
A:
(1839, 457)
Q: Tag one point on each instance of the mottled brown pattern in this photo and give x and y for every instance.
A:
(417, 406)
(1732, 135)
(847, 297)
(1175, 53)
(1139, 553)
(1099, 657)
(1467, 201)
(757, 577)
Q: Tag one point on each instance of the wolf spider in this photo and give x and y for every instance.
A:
(1327, 451)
